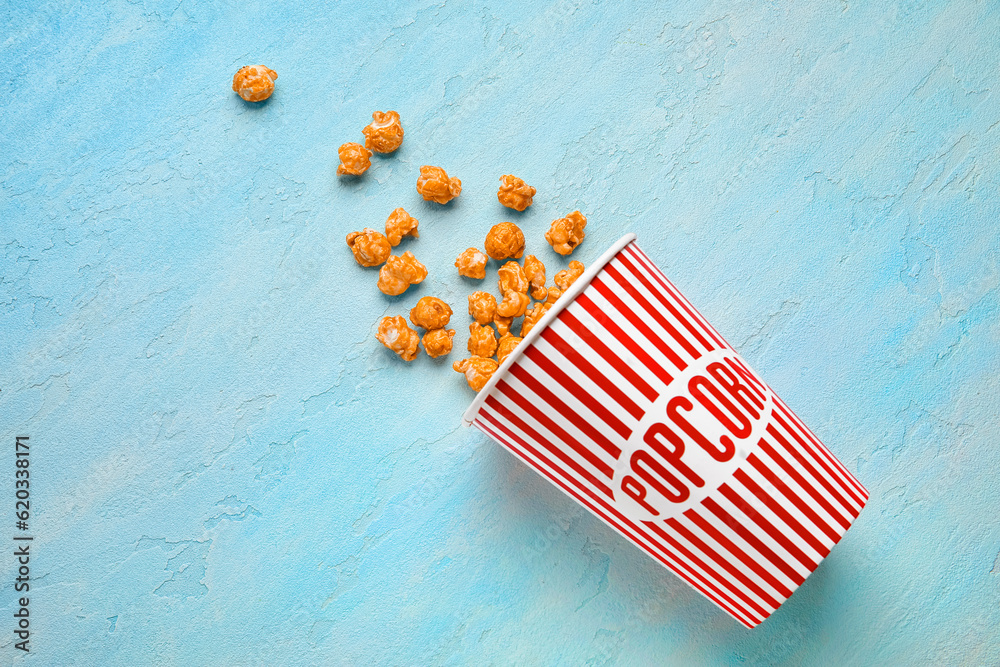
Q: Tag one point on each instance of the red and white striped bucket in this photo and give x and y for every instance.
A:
(627, 399)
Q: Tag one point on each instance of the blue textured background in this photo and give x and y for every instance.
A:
(230, 470)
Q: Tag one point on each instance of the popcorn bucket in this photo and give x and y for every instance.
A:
(628, 400)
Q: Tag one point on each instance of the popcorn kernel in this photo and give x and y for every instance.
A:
(437, 342)
(394, 333)
(435, 185)
(511, 276)
(515, 193)
(567, 277)
(506, 345)
(370, 248)
(430, 313)
(565, 234)
(532, 316)
(472, 264)
(534, 271)
(503, 324)
(354, 159)
(482, 340)
(482, 307)
(385, 133)
(254, 83)
(514, 304)
(504, 241)
(399, 273)
(477, 370)
(400, 224)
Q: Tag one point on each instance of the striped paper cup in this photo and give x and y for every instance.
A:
(628, 400)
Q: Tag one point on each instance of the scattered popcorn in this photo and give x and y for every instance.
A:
(504, 241)
(400, 224)
(472, 264)
(514, 304)
(503, 324)
(399, 273)
(430, 313)
(437, 342)
(534, 270)
(254, 83)
(515, 193)
(506, 346)
(370, 248)
(567, 277)
(511, 276)
(354, 159)
(532, 316)
(434, 185)
(385, 133)
(482, 340)
(394, 333)
(565, 234)
(553, 295)
(477, 370)
(482, 307)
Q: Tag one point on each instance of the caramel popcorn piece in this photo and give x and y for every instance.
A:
(254, 83)
(400, 224)
(472, 264)
(482, 307)
(394, 333)
(437, 342)
(534, 270)
(354, 159)
(514, 304)
(398, 273)
(506, 345)
(430, 313)
(515, 193)
(504, 241)
(532, 316)
(385, 133)
(477, 370)
(565, 234)
(553, 295)
(482, 340)
(503, 324)
(434, 185)
(511, 276)
(567, 277)
(370, 248)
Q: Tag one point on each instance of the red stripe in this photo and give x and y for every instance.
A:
(726, 565)
(507, 414)
(619, 522)
(823, 449)
(630, 263)
(754, 541)
(629, 342)
(576, 359)
(636, 321)
(782, 513)
(564, 410)
(616, 362)
(759, 519)
(661, 278)
(585, 397)
(783, 488)
(809, 488)
(848, 509)
(643, 302)
(808, 447)
(745, 599)
(741, 555)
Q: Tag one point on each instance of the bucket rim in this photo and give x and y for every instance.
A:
(562, 302)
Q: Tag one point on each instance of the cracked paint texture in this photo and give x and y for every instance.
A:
(228, 469)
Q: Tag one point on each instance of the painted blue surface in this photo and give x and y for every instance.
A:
(228, 469)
